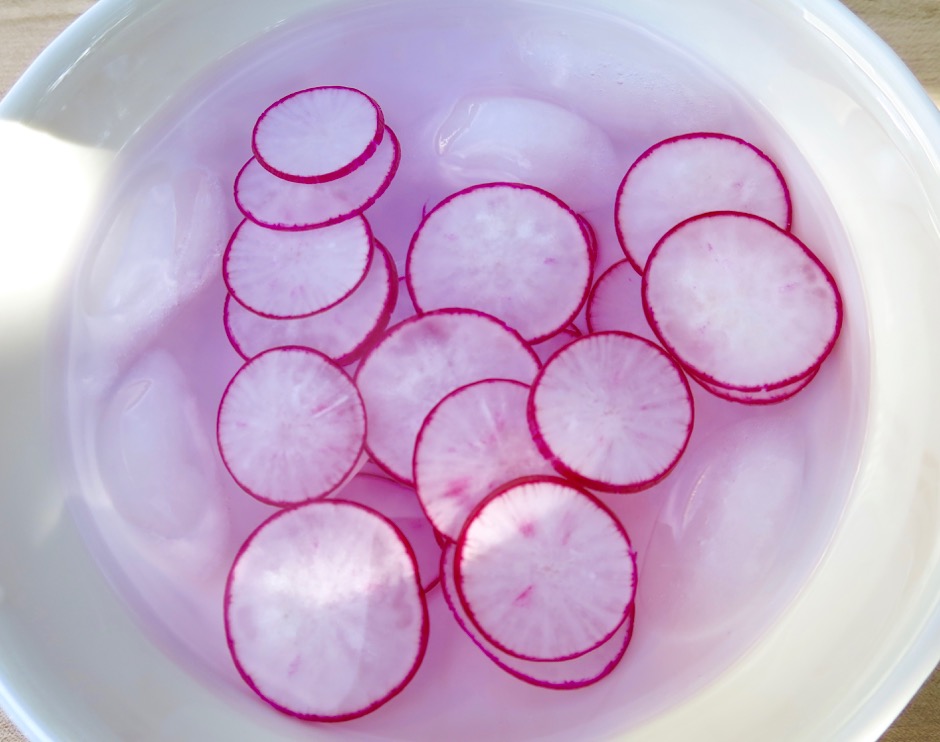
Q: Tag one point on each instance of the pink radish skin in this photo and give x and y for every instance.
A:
(284, 275)
(517, 589)
(421, 360)
(343, 332)
(694, 174)
(591, 236)
(280, 204)
(765, 397)
(513, 251)
(612, 411)
(579, 672)
(400, 505)
(741, 303)
(318, 135)
(475, 439)
(324, 616)
(291, 426)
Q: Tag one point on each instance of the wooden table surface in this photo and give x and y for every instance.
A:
(911, 27)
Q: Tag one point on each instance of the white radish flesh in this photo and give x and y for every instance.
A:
(342, 332)
(318, 134)
(740, 302)
(295, 274)
(291, 426)
(324, 615)
(577, 672)
(281, 204)
(693, 174)
(612, 411)
(475, 439)
(509, 250)
(544, 570)
(421, 360)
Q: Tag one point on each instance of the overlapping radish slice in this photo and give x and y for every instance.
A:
(615, 304)
(324, 616)
(318, 134)
(421, 360)
(547, 348)
(513, 251)
(760, 397)
(400, 505)
(577, 672)
(743, 304)
(475, 439)
(341, 332)
(276, 203)
(291, 426)
(544, 570)
(693, 174)
(295, 274)
(612, 411)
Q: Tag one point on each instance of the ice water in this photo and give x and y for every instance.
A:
(520, 91)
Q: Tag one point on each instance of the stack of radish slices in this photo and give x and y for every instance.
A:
(475, 441)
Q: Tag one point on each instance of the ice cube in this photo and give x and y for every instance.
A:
(525, 140)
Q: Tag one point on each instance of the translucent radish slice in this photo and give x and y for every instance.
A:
(421, 360)
(295, 274)
(510, 250)
(324, 616)
(400, 505)
(578, 672)
(342, 332)
(547, 348)
(740, 302)
(474, 440)
(612, 411)
(544, 570)
(693, 174)
(291, 426)
(281, 204)
(615, 302)
(762, 397)
(318, 134)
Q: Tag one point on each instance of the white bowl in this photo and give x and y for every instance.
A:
(838, 661)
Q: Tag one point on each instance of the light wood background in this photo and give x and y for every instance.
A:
(911, 27)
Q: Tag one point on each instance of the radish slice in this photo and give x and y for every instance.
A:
(762, 397)
(295, 274)
(591, 236)
(615, 302)
(741, 303)
(400, 505)
(513, 251)
(324, 616)
(694, 174)
(421, 360)
(611, 411)
(280, 204)
(318, 134)
(475, 439)
(578, 672)
(544, 570)
(342, 332)
(547, 348)
(291, 426)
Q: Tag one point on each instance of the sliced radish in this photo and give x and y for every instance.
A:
(421, 360)
(318, 134)
(475, 439)
(740, 302)
(693, 174)
(291, 426)
(295, 274)
(612, 411)
(547, 348)
(615, 302)
(400, 505)
(342, 332)
(324, 616)
(513, 251)
(281, 204)
(544, 570)
(591, 235)
(578, 672)
(762, 397)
